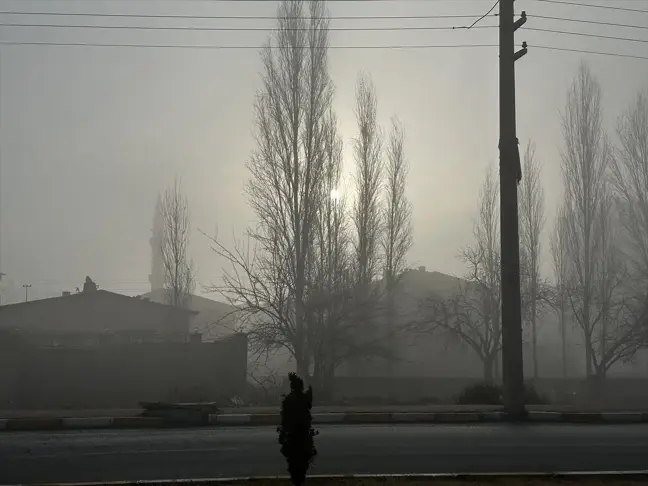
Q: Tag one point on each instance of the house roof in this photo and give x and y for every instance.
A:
(420, 281)
(105, 295)
(196, 302)
(215, 319)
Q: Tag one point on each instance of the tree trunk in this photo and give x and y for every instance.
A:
(302, 362)
(563, 339)
(534, 339)
(596, 384)
(489, 370)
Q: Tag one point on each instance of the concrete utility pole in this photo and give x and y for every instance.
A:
(510, 176)
(26, 287)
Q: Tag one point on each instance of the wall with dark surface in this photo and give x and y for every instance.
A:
(121, 376)
(98, 311)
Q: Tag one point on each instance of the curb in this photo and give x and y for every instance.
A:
(386, 418)
(473, 477)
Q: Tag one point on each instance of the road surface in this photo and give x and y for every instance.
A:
(212, 452)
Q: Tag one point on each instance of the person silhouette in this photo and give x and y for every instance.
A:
(89, 285)
(295, 432)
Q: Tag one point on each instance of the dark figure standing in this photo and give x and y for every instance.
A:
(295, 432)
(89, 285)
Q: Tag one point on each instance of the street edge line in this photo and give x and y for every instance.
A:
(643, 474)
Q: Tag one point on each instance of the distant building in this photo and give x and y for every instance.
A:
(95, 317)
(213, 319)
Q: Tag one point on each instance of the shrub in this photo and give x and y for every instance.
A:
(533, 397)
(488, 394)
(480, 394)
(295, 432)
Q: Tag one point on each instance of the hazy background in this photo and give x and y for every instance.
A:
(90, 135)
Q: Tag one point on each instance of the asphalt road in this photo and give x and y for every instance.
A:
(199, 453)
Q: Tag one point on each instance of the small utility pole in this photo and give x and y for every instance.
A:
(1, 285)
(510, 175)
(26, 287)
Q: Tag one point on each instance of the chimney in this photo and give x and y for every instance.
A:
(66, 293)
(422, 268)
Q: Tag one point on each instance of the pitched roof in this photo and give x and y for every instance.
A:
(98, 294)
(215, 319)
(196, 302)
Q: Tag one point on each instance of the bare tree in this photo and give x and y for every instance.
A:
(584, 163)
(367, 149)
(179, 279)
(531, 225)
(366, 214)
(473, 313)
(561, 270)
(268, 282)
(329, 271)
(397, 235)
(630, 181)
(616, 337)
(629, 170)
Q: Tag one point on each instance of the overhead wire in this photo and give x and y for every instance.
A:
(360, 47)
(270, 29)
(274, 29)
(584, 21)
(236, 17)
(586, 51)
(591, 5)
(585, 34)
(237, 29)
(483, 16)
(228, 47)
(266, 1)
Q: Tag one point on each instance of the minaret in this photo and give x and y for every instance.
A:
(156, 278)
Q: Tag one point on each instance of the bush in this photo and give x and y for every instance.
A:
(488, 394)
(480, 394)
(533, 397)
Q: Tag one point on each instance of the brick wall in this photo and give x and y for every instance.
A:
(121, 376)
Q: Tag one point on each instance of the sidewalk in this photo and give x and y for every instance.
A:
(468, 415)
(136, 412)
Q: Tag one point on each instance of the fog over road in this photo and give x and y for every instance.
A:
(213, 452)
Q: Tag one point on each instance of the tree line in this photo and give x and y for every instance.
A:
(317, 273)
(598, 245)
(305, 277)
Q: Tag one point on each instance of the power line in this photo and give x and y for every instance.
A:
(583, 34)
(231, 47)
(593, 22)
(585, 51)
(273, 29)
(484, 16)
(238, 17)
(236, 29)
(607, 7)
(266, 1)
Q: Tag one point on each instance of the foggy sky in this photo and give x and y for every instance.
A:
(89, 136)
